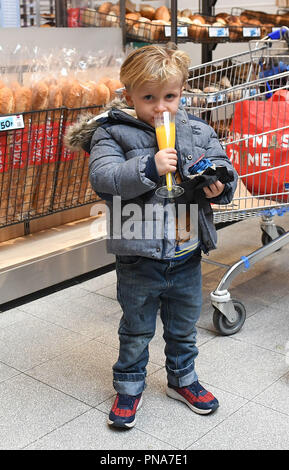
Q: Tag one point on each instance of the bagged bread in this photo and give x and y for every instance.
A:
(7, 102)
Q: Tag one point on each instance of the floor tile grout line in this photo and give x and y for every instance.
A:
(49, 359)
(251, 400)
(218, 424)
(60, 325)
(55, 429)
(258, 346)
(58, 389)
(266, 388)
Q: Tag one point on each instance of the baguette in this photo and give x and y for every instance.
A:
(39, 96)
(6, 101)
(23, 99)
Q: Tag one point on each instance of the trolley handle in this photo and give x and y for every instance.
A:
(281, 33)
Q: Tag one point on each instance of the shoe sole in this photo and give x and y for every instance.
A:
(173, 394)
(120, 424)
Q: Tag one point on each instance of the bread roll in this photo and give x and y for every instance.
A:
(147, 11)
(105, 7)
(198, 99)
(184, 19)
(162, 13)
(223, 15)
(115, 9)
(158, 29)
(88, 17)
(142, 28)
(6, 101)
(130, 19)
(142, 19)
(235, 32)
(234, 20)
(113, 18)
(198, 30)
(225, 82)
(186, 13)
(129, 6)
(23, 99)
(211, 89)
(198, 19)
(234, 95)
(218, 24)
(221, 20)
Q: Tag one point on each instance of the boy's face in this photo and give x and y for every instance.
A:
(152, 98)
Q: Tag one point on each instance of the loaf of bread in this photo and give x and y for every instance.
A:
(162, 13)
(147, 11)
(6, 100)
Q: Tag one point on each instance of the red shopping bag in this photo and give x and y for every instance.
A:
(261, 129)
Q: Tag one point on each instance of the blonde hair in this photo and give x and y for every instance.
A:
(154, 63)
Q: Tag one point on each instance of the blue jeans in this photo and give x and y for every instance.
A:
(143, 285)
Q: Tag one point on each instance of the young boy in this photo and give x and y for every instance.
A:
(154, 272)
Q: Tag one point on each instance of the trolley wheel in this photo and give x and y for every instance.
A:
(224, 326)
(267, 239)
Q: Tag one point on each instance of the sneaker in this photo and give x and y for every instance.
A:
(123, 411)
(195, 396)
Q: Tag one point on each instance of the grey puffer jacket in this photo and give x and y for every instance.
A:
(122, 150)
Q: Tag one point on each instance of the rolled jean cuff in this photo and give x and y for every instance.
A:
(182, 377)
(129, 384)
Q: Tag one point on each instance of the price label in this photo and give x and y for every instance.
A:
(251, 32)
(182, 31)
(218, 32)
(215, 97)
(8, 123)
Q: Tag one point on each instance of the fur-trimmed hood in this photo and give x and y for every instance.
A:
(78, 136)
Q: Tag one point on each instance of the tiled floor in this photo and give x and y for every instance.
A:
(56, 355)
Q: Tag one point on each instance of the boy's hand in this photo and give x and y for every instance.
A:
(214, 190)
(166, 161)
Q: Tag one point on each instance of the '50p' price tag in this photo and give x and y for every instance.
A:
(8, 123)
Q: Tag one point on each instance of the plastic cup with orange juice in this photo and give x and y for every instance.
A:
(166, 137)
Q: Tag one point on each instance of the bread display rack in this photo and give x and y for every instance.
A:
(148, 24)
(52, 224)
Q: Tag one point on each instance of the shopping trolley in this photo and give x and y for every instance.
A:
(245, 97)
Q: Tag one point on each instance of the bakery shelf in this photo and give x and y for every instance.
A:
(194, 28)
(46, 258)
(38, 174)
